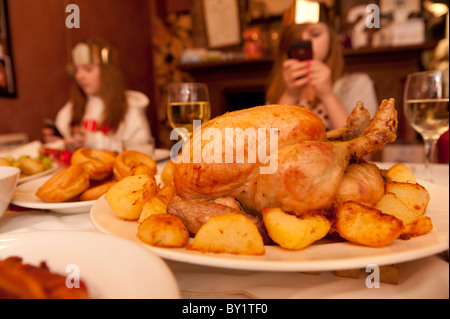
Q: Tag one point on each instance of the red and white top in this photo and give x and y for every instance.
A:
(134, 127)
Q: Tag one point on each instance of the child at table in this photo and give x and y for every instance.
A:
(318, 83)
(100, 113)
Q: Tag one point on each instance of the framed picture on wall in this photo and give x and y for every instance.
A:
(222, 23)
(7, 87)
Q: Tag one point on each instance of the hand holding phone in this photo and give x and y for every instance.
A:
(50, 124)
(300, 50)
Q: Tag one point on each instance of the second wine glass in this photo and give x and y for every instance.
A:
(426, 108)
(187, 102)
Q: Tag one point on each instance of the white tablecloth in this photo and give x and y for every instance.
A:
(423, 278)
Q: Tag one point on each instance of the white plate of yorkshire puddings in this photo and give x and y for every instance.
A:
(323, 255)
(25, 196)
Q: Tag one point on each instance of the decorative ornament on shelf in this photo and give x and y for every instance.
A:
(253, 46)
(382, 23)
(358, 18)
(405, 26)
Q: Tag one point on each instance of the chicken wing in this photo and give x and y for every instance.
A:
(356, 124)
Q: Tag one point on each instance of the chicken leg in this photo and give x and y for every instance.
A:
(309, 173)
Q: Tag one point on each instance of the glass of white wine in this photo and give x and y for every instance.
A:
(187, 102)
(426, 108)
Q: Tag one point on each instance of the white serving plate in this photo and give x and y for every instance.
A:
(321, 256)
(25, 196)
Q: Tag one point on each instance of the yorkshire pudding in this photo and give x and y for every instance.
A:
(97, 163)
(96, 191)
(64, 185)
(132, 162)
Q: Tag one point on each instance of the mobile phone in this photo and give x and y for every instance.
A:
(49, 123)
(300, 50)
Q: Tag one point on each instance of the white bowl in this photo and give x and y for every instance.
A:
(8, 181)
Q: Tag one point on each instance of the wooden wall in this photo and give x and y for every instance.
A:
(38, 44)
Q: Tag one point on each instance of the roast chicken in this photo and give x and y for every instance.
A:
(309, 173)
(199, 175)
(310, 169)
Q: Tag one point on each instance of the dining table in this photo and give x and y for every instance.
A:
(426, 276)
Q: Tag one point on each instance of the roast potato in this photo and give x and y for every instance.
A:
(365, 225)
(155, 205)
(414, 196)
(420, 226)
(30, 166)
(294, 232)
(231, 233)
(401, 173)
(163, 230)
(167, 173)
(128, 195)
(166, 193)
(390, 204)
(5, 161)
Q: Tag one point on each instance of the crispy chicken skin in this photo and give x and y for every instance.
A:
(307, 179)
(310, 169)
(211, 180)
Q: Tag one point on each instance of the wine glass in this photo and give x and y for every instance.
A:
(426, 108)
(187, 102)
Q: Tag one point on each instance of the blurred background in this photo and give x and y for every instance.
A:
(228, 44)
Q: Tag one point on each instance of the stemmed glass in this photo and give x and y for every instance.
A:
(187, 102)
(426, 108)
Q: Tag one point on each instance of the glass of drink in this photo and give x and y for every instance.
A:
(187, 102)
(426, 108)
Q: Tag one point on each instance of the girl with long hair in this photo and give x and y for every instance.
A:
(318, 83)
(100, 113)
